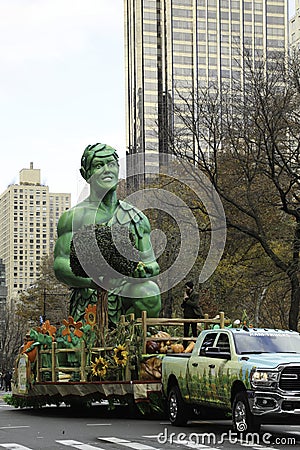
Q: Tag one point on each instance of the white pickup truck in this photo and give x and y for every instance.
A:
(252, 372)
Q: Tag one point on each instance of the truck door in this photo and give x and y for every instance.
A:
(200, 371)
(212, 374)
(223, 370)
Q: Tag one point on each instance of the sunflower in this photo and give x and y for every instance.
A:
(90, 315)
(120, 355)
(99, 367)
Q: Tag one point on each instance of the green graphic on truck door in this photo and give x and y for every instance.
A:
(211, 377)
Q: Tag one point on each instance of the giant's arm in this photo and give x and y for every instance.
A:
(62, 269)
(150, 266)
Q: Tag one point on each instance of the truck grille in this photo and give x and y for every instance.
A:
(290, 379)
(290, 405)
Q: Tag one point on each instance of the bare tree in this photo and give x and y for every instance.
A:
(12, 335)
(46, 299)
(246, 140)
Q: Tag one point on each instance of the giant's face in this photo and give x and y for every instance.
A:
(104, 173)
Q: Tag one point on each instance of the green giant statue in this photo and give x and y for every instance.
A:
(100, 168)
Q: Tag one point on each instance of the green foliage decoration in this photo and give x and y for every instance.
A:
(92, 241)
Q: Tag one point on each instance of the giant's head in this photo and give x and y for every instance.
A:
(95, 151)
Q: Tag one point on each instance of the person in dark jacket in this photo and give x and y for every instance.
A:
(191, 309)
(7, 380)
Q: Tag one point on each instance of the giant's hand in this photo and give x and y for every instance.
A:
(146, 270)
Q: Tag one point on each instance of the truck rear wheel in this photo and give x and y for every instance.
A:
(177, 410)
(242, 419)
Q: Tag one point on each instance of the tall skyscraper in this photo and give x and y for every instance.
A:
(3, 294)
(173, 47)
(28, 217)
(295, 27)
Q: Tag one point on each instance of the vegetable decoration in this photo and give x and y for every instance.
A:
(152, 347)
(190, 347)
(177, 348)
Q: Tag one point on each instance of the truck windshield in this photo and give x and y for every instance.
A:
(264, 342)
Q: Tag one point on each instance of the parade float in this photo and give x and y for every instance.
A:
(64, 365)
(112, 344)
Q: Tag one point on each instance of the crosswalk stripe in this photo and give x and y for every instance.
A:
(135, 445)
(190, 444)
(98, 424)
(79, 445)
(129, 444)
(14, 446)
(257, 446)
(185, 443)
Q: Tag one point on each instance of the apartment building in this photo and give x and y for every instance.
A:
(3, 294)
(28, 217)
(295, 27)
(175, 47)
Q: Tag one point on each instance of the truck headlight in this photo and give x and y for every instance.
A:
(264, 378)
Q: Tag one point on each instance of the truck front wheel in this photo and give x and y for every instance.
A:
(177, 410)
(242, 419)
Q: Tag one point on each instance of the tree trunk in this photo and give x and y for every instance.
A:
(295, 301)
(102, 314)
(293, 275)
(168, 304)
(258, 305)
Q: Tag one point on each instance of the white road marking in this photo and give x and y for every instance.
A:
(14, 446)
(135, 445)
(79, 445)
(258, 447)
(98, 424)
(190, 444)
(185, 442)
(9, 427)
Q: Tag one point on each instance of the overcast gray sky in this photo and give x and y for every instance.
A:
(61, 86)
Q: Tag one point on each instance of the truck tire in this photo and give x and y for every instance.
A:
(243, 420)
(177, 410)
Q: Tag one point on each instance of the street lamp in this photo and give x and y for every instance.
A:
(44, 305)
(43, 317)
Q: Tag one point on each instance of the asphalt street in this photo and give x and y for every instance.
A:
(97, 428)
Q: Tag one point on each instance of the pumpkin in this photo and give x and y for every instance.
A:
(177, 348)
(32, 354)
(162, 334)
